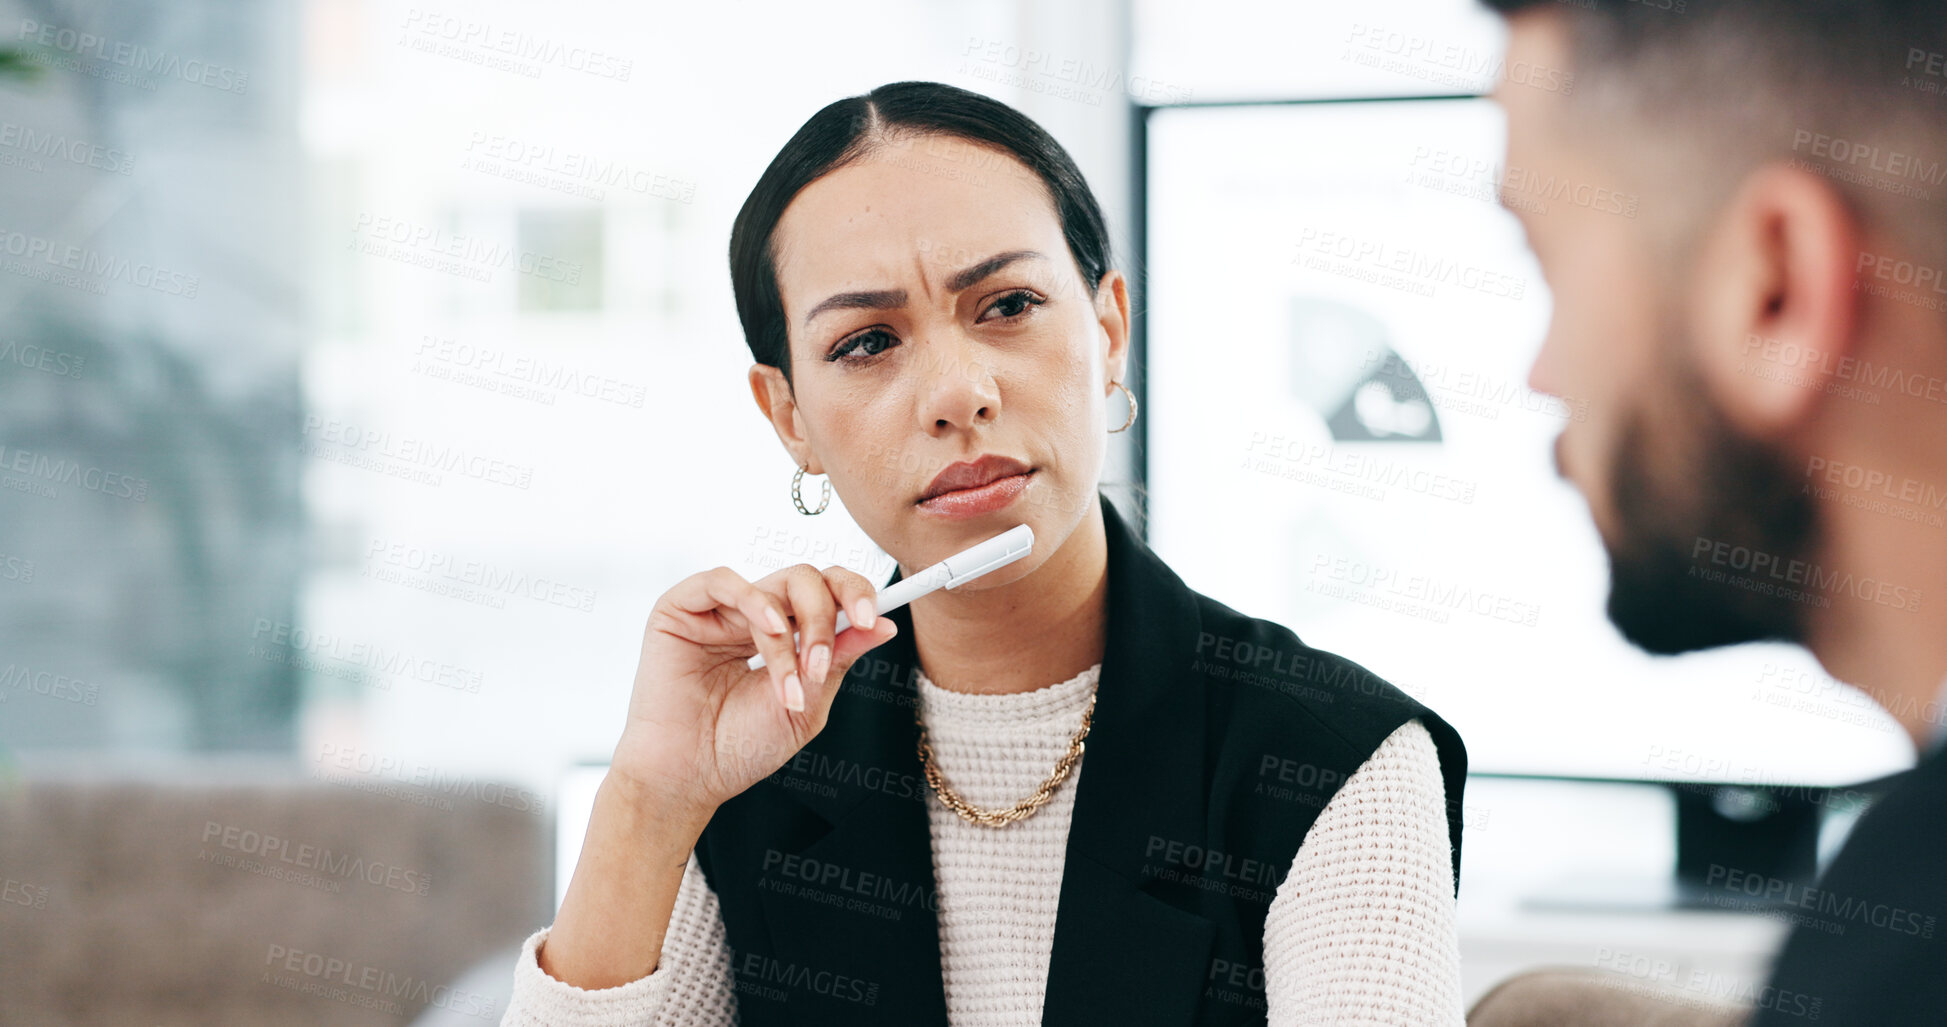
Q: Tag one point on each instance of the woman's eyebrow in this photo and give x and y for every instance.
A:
(889, 299)
(963, 279)
(881, 299)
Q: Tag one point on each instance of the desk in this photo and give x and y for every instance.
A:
(1712, 955)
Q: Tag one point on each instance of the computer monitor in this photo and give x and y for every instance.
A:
(1339, 323)
(1339, 320)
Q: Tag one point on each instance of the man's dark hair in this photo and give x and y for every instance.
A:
(1855, 90)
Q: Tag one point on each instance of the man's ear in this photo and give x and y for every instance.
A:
(780, 406)
(1771, 304)
(1112, 313)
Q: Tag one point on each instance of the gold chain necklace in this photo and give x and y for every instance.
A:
(1020, 810)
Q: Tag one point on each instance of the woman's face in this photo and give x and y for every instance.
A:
(937, 319)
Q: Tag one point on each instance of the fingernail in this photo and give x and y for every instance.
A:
(776, 622)
(793, 693)
(862, 613)
(821, 661)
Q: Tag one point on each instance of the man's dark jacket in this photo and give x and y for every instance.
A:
(1865, 948)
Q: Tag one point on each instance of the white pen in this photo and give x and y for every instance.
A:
(952, 572)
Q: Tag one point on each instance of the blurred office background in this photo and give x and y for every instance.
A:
(368, 368)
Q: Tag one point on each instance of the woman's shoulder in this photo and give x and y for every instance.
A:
(1296, 724)
(1276, 685)
(1238, 649)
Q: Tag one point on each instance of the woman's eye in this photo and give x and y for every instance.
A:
(870, 342)
(1013, 305)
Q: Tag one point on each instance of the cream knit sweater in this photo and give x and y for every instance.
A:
(1360, 932)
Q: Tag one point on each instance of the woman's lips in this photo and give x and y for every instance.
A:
(994, 495)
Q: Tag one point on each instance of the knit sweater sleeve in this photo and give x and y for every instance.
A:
(1361, 931)
(690, 987)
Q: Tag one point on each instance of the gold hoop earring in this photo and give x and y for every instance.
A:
(1132, 407)
(797, 498)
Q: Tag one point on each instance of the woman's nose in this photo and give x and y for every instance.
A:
(958, 387)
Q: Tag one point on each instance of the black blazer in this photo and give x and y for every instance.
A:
(1865, 947)
(1217, 740)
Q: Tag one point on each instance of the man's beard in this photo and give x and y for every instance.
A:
(1682, 495)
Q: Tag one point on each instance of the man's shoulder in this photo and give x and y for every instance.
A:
(1867, 943)
(1901, 839)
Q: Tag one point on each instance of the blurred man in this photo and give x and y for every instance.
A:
(1761, 345)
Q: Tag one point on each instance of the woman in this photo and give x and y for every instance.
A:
(894, 824)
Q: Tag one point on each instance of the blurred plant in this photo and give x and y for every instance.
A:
(166, 591)
(181, 577)
(15, 65)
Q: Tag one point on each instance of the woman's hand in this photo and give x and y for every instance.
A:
(702, 725)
